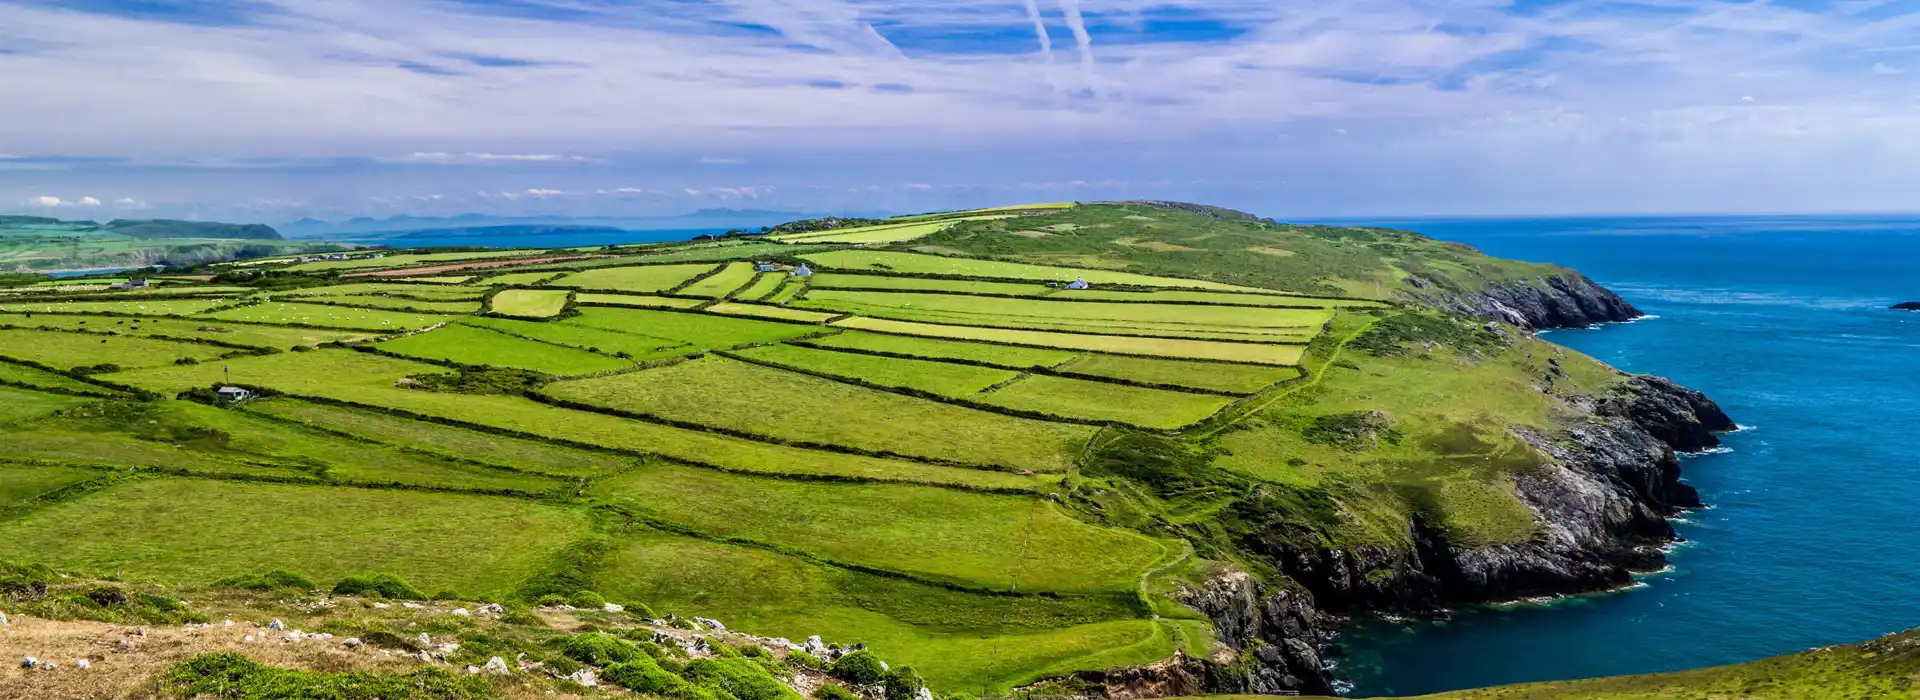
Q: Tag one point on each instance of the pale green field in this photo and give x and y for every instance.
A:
(137, 307)
(70, 350)
(641, 279)
(477, 346)
(349, 318)
(915, 263)
(1216, 376)
(637, 301)
(1118, 345)
(1090, 400)
(21, 405)
(943, 378)
(831, 280)
(1008, 356)
(530, 303)
(770, 312)
(733, 277)
(255, 335)
(409, 260)
(884, 233)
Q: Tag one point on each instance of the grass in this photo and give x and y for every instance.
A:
(733, 277)
(1882, 668)
(469, 345)
(786, 292)
(941, 534)
(424, 291)
(519, 278)
(598, 340)
(797, 407)
(36, 377)
(410, 260)
(915, 263)
(189, 531)
(1216, 376)
(529, 303)
(70, 350)
(19, 483)
(884, 233)
(447, 440)
(1215, 298)
(954, 639)
(837, 280)
(770, 312)
(346, 375)
(1079, 398)
(1008, 356)
(1119, 345)
(763, 286)
(941, 378)
(642, 279)
(328, 316)
(1208, 322)
(637, 301)
(697, 331)
(21, 404)
(402, 304)
(138, 307)
(254, 335)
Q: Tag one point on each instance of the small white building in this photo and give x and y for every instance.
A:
(1080, 283)
(802, 271)
(234, 394)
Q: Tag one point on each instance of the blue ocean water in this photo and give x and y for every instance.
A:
(1811, 538)
(567, 239)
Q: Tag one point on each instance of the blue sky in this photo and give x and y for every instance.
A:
(270, 110)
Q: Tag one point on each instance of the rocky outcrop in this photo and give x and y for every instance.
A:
(1565, 300)
(1907, 306)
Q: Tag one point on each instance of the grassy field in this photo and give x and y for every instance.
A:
(598, 340)
(1118, 345)
(529, 303)
(70, 350)
(137, 307)
(328, 316)
(797, 407)
(733, 277)
(190, 531)
(448, 440)
(915, 263)
(519, 278)
(1182, 296)
(697, 331)
(422, 291)
(770, 312)
(363, 378)
(1215, 376)
(833, 280)
(642, 279)
(1212, 322)
(1079, 398)
(21, 404)
(763, 286)
(941, 378)
(34, 377)
(940, 534)
(21, 483)
(884, 233)
(1009, 356)
(469, 345)
(409, 260)
(645, 302)
(400, 304)
(254, 335)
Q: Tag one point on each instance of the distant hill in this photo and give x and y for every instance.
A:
(173, 228)
(702, 219)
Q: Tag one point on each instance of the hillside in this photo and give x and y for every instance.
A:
(30, 244)
(1111, 449)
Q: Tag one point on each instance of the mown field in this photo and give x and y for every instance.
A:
(982, 476)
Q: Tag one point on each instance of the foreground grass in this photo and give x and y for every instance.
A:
(186, 531)
(70, 350)
(798, 407)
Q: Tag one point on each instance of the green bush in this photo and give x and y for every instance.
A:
(903, 683)
(378, 586)
(804, 660)
(445, 595)
(833, 692)
(739, 678)
(599, 649)
(277, 579)
(645, 677)
(859, 668)
(551, 600)
(25, 581)
(586, 599)
(639, 610)
(231, 676)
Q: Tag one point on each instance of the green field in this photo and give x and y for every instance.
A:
(469, 345)
(188, 531)
(884, 233)
(786, 292)
(400, 304)
(1218, 322)
(22, 404)
(696, 331)
(254, 335)
(39, 378)
(792, 406)
(519, 278)
(731, 278)
(835, 280)
(70, 350)
(1008, 356)
(1215, 376)
(1118, 345)
(409, 260)
(642, 279)
(19, 483)
(763, 286)
(135, 307)
(1090, 400)
(638, 301)
(778, 313)
(915, 263)
(943, 378)
(448, 441)
(529, 303)
(381, 320)
(597, 340)
(431, 292)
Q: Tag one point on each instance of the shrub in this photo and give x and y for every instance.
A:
(598, 649)
(230, 676)
(803, 659)
(833, 692)
(551, 600)
(586, 599)
(277, 579)
(859, 668)
(25, 581)
(639, 610)
(903, 683)
(740, 678)
(645, 677)
(446, 595)
(519, 615)
(378, 586)
(108, 596)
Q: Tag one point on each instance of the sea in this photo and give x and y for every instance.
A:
(1812, 535)
(575, 238)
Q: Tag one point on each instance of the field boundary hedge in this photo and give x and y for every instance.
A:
(238, 349)
(125, 390)
(899, 334)
(1053, 370)
(1051, 295)
(1023, 280)
(355, 437)
(1081, 332)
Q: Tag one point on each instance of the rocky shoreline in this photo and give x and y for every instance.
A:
(1610, 483)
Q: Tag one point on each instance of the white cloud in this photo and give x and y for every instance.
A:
(45, 201)
(49, 201)
(129, 203)
(540, 192)
(87, 202)
(441, 157)
(710, 160)
(629, 190)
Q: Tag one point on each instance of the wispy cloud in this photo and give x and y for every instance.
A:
(441, 157)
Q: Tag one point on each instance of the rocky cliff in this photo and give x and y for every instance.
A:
(1565, 300)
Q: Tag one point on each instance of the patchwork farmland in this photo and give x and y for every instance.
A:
(886, 437)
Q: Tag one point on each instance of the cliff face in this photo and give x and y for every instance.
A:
(1566, 300)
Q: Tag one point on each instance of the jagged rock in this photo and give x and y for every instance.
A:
(585, 677)
(351, 642)
(498, 667)
(816, 647)
(710, 623)
(1281, 626)
(1906, 306)
(613, 607)
(1566, 300)
(276, 625)
(462, 612)
(82, 664)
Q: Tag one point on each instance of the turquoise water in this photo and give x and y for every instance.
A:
(1812, 537)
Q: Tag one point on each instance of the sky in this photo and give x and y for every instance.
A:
(273, 110)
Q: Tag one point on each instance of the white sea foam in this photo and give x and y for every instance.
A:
(1723, 449)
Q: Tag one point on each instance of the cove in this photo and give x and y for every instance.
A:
(1810, 538)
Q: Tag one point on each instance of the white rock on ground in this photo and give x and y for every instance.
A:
(493, 609)
(473, 670)
(276, 625)
(351, 642)
(498, 667)
(424, 641)
(463, 612)
(924, 694)
(3, 620)
(613, 607)
(83, 664)
(710, 622)
(381, 606)
(585, 677)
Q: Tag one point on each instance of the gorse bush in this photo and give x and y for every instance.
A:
(277, 579)
(599, 649)
(586, 599)
(859, 668)
(378, 586)
(231, 676)
(833, 692)
(739, 677)
(904, 683)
